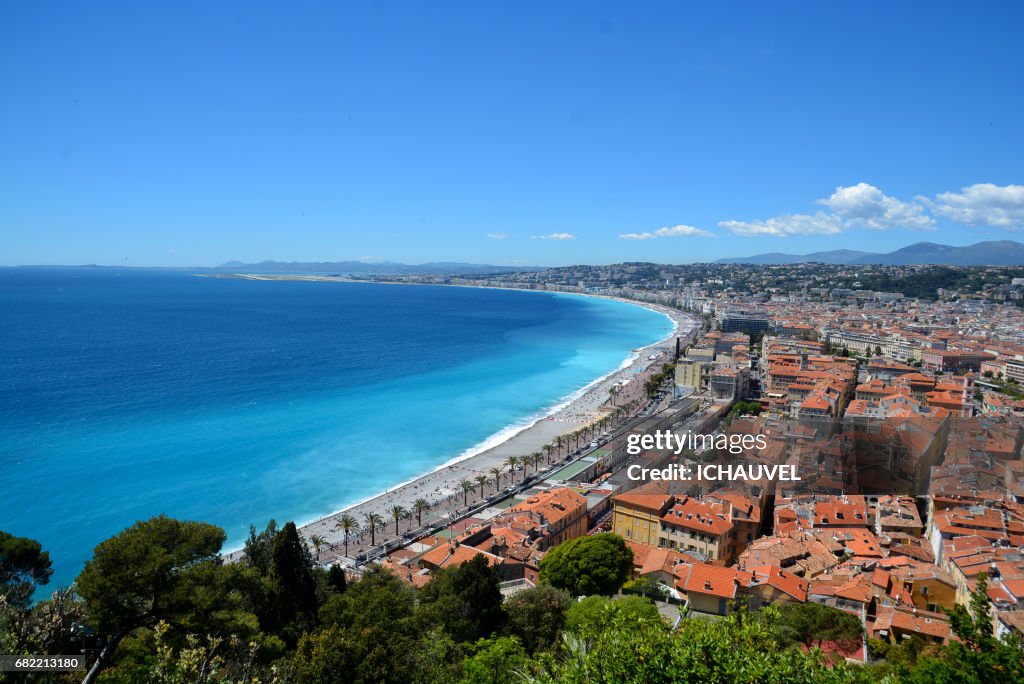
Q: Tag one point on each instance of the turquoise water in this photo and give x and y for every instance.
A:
(125, 395)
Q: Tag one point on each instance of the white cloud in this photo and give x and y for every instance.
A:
(554, 236)
(674, 231)
(865, 205)
(791, 224)
(497, 236)
(982, 204)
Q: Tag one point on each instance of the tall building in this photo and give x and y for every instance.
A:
(745, 322)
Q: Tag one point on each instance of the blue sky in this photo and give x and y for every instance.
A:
(539, 133)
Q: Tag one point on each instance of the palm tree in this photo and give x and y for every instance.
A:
(535, 458)
(467, 487)
(397, 512)
(512, 462)
(348, 524)
(372, 520)
(481, 480)
(318, 543)
(559, 441)
(420, 505)
(614, 391)
(548, 448)
(496, 475)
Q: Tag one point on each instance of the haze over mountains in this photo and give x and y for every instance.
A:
(371, 268)
(991, 253)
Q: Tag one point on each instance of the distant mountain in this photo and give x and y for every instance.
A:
(991, 253)
(836, 256)
(366, 268)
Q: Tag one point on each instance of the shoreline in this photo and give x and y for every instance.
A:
(568, 414)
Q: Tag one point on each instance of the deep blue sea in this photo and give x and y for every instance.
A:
(126, 394)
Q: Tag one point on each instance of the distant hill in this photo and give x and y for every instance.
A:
(365, 268)
(836, 256)
(990, 253)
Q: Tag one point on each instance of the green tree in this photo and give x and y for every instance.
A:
(397, 512)
(597, 564)
(257, 546)
(201, 661)
(24, 567)
(495, 661)
(348, 525)
(291, 572)
(536, 616)
(136, 578)
(466, 487)
(645, 586)
(372, 521)
(536, 458)
(421, 506)
(464, 600)
(336, 578)
(511, 463)
(329, 656)
(378, 599)
(811, 624)
(496, 473)
(369, 634)
(317, 542)
(592, 614)
(739, 648)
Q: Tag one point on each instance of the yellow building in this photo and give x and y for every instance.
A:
(690, 373)
(637, 515)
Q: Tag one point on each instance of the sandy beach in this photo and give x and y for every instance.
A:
(441, 488)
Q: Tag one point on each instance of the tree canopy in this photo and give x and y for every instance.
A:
(598, 564)
(141, 576)
(24, 566)
(465, 600)
(536, 616)
(812, 624)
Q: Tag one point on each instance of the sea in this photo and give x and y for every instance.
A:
(127, 393)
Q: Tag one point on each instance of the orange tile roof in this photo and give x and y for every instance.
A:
(553, 504)
(693, 514)
(782, 580)
(651, 502)
(444, 555)
(713, 580)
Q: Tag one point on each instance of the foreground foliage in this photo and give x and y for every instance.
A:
(157, 604)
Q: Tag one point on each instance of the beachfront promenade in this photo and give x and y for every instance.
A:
(450, 494)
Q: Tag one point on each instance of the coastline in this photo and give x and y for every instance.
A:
(440, 485)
